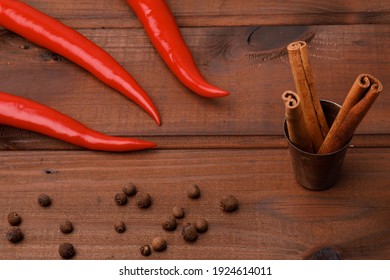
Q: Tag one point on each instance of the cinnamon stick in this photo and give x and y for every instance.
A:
(304, 82)
(296, 126)
(359, 100)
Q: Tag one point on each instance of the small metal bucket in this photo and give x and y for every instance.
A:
(317, 171)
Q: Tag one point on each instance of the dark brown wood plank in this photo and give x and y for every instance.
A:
(232, 145)
(277, 219)
(117, 14)
(250, 62)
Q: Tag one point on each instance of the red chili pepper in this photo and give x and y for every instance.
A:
(162, 29)
(26, 114)
(48, 32)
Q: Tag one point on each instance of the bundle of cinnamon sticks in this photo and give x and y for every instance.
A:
(306, 123)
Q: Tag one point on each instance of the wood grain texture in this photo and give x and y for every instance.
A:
(250, 62)
(277, 219)
(116, 13)
(231, 145)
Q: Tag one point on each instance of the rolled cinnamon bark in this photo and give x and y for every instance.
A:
(296, 126)
(304, 82)
(359, 100)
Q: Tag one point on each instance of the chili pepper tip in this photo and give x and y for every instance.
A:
(158, 121)
(150, 145)
(208, 90)
(135, 145)
(152, 111)
(221, 93)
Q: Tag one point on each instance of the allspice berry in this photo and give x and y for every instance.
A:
(66, 250)
(120, 227)
(201, 225)
(44, 200)
(189, 232)
(120, 199)
(229, 203)
(66, 227)
(169, 223)
(159, 244)
(14, 219)
(178, 212)
(193, 191)
(130, 189)
(14, 235)
(145, 250)
(143, 200)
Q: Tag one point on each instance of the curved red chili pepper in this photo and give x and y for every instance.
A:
(161, 27)
(26, 114)
(48, 32)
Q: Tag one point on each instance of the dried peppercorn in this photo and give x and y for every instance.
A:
(120, 199)
(66, 227)
(130, 189)
(143, 200)
(229, 203)
(201, 225)
(189, 232)
(159, 244)
(44, 200)
(178, 212)
(66, 250)
(14, 219)
(169, 223)
(145, 250)
(193, 191)
(14, 235)
(120, 227)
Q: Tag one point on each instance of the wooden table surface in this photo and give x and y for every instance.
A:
(233, 145)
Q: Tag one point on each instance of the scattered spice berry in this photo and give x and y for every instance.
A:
(66, 227)
(145, 250)
(193, 191)
(201, 225)
(169, 223)
(159, 244)
(14, 219)
(120, 199)
(189, 232)
(229, 203)
(120, 227)
(66, 250)
(14, 235)
(130, 189)
(178, 212)
(143, 199)
(44, 200)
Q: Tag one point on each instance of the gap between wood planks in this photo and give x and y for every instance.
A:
(178, 142)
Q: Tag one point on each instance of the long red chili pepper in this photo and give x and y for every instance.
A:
(162, 29)
(48, 32)
(26, 114)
